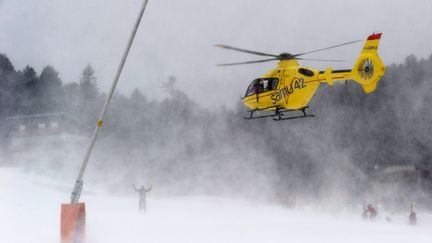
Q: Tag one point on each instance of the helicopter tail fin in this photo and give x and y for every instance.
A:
(369, 68)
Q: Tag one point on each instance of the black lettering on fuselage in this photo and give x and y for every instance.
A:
(297, 83)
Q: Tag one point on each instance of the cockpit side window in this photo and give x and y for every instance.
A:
(253, 88)
(306, 72)
(262, 85)
(273, 83)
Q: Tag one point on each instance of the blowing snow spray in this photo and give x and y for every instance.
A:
(73, 214)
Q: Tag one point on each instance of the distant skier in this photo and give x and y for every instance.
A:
(412, 217)
(372, 212)
(365, 212)
(142, 196)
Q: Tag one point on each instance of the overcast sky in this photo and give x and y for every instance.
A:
(176, 37)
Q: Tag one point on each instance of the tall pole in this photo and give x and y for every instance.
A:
(79, 181)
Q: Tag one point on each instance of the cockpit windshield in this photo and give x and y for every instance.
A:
(261, 85)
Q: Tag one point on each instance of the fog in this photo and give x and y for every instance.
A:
(176, 121)
(177, 38)
(184, 219)
(337, 159)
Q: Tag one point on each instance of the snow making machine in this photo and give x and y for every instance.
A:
(72, 227)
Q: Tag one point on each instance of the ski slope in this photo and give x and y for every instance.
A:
(30, 213)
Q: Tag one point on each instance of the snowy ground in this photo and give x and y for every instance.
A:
(30, 212)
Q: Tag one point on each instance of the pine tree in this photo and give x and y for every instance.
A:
(51, 90)
(90, 97)
(88, 84)
(7, 82)
(5, 64)
(27, 91)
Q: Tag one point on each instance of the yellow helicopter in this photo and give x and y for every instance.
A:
(290, 87)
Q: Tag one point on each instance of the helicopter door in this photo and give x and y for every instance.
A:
(283, 86)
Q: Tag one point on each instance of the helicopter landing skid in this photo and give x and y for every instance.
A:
(279, 114)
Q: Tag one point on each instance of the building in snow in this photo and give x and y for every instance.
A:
(26, 136)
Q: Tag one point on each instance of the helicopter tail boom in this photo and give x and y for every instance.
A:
(369, 68)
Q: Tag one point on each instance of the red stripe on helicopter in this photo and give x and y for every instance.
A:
(376, 36)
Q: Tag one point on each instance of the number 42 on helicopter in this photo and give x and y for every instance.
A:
(290, 87)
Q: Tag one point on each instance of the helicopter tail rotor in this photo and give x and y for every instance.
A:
(369, 68)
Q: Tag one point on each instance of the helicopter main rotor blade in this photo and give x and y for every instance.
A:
(250, 62)
(246, 51)
(319, 60)
(326, 48)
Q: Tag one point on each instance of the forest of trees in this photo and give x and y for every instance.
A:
(352, 134)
